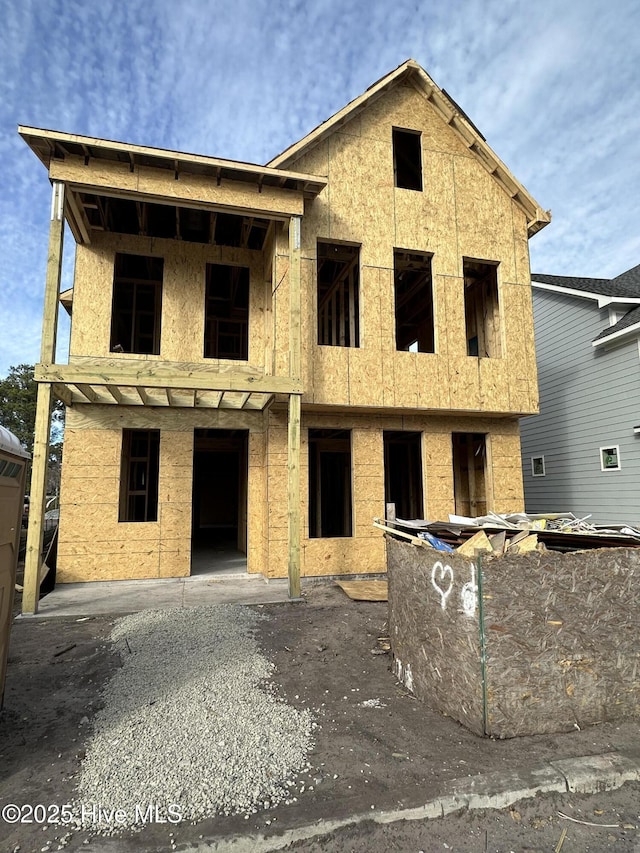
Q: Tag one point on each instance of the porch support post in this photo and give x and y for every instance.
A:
(43, 407)
(295, 406)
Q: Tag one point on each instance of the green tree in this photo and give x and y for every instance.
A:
(18, 396)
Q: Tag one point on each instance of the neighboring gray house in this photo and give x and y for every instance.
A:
(582, 453)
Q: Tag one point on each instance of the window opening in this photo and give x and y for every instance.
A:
(469, 473)
(139, 475)
(537, 466)
(226, 323)
(413, 302)
(338, 297)
(330, 500)
(407, 159)
(137, 304)
(403, 473)
(481, 309)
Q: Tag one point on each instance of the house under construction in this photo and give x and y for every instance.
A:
(262, 357)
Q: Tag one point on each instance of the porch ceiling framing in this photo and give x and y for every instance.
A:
(236, 391)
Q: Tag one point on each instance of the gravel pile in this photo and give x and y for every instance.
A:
(189, 723)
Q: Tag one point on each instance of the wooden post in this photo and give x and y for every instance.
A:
(35, 532)
(294, 409)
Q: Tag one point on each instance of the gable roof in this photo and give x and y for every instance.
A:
(630, 319)
(624, 286)
(411, 72)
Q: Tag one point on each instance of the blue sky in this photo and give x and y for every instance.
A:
(553, 85)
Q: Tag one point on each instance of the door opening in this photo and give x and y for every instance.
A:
(403, 473)
(219, 516)
(470, 473)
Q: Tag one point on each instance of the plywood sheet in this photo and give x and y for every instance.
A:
(365, 590)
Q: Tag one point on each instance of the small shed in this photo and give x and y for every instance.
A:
(13, 469)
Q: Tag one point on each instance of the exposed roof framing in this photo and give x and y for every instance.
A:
(53, 144)
(410, 72)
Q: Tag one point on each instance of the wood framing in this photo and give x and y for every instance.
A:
(312, 316)
(44, 404)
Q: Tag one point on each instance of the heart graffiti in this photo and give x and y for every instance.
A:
(439, 576)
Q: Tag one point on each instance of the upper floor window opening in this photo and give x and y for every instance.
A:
(137, 304)
(338, 295)
(407, 159)
(226, 320)
(482, 309)
(413, 288)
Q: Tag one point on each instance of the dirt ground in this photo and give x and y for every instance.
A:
(377, 748)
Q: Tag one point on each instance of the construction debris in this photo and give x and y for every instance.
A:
(365, 590)
(515, 533)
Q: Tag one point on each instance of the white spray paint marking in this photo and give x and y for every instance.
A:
(408, 678)
(469, 595)
(439, 574)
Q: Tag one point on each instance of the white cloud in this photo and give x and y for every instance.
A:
(552, 86)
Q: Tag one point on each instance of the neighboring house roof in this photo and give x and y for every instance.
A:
(625, 285)
(412, 73)
(623, 288)
(629, 323)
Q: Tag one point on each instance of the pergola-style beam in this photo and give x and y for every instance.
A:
(168, 376)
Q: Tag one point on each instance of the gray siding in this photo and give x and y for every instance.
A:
(588, 399)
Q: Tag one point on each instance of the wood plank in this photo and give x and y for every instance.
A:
(63, 393)
(162, 377)
(293, 463)
(365, 590)
(35, 532)
(87, 391)
(53, 274)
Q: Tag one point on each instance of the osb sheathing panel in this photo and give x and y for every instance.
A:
(340, 555)
(183, 296)
(560, 655)
(461, 212)
(89, 526)
(361, 196)
(483, 217)
(189, 188)
(405, 107)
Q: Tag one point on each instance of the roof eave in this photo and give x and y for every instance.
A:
(43, 144)
(537, 218)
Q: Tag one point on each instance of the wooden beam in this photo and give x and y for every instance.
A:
(43, 406)
(144, 397)
(171, 377)
(293, 464)
(115, 393)
(53, 274)
(87, 391)
(293, 436)
(35, 532)
(63, 393)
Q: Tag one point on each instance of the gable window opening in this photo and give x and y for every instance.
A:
(407, 159)
(330, 491)
(137, 304)
(481, 309)
(537, 466)
(610, 458)
(413, 288)
(338, 295)
(226, 322)
(139, 475)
